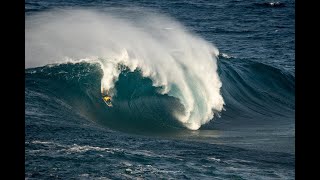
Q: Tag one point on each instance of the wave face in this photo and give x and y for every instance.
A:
(151, 65)
(254, 93)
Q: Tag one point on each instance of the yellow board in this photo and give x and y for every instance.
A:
(107, 100)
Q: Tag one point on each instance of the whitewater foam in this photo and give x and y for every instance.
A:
(182, 64)
(224, 55)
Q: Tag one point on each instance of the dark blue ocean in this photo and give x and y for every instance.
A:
(200, 89)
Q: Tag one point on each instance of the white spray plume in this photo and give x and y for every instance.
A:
(182, 63)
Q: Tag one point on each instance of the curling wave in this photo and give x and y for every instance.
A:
(253, 92)
(172, 63)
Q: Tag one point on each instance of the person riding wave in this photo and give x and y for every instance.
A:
(106, 98)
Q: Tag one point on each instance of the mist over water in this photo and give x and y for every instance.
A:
(181, 63)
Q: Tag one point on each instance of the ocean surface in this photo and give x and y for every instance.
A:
(200, 89)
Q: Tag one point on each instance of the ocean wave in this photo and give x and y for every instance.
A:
(251, 90)
(155, 77)
(174, 60)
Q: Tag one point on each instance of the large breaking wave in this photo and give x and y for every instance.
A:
(153, 67)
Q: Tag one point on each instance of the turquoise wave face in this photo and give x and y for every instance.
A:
(136, 106)
(253, 92)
